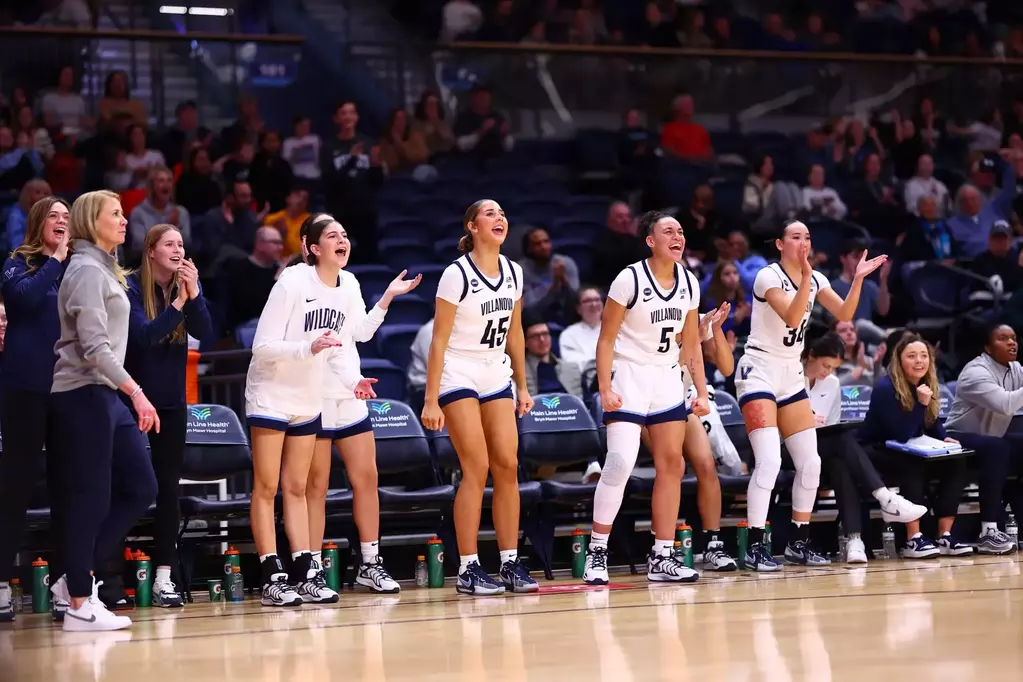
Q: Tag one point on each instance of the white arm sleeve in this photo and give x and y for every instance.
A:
(623, 288)
(269, 343)
(452, 285)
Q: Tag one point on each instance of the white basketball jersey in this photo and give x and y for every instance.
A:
(768, 332)
(343, 371)
(283, 374)
(653, 316)
(485, 306)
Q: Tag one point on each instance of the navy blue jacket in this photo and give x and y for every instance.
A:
(156, 363)
(886, 420)
(33, 326)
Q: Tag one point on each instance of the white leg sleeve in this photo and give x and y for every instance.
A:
(802, 448)
(766, 444)
(622, 450)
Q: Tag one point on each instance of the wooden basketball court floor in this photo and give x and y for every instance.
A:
(952, 619)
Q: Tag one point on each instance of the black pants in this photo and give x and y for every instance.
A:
(913, 476)
(167, 449)
(108, 481)
(995, 457)
(23, 416)
(852, 475)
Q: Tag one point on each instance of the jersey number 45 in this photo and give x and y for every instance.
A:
(493, 335)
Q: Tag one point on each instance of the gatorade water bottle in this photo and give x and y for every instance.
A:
(580, 544)
(143, 581)
(742, 533)
(40, 586)
(331, 567)
(232, 558)
(236, 585)
(684, 534)
(767, 538)
(435, 562)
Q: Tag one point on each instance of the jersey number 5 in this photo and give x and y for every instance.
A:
(665, 340)
(493, 336)
(795, 335)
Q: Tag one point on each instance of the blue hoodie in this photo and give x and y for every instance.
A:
(33, 325)
(886, 420)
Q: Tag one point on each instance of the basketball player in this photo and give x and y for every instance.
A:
(345, 422)
(478, 318)
(651, 312)
(772, 390)
(301, 320)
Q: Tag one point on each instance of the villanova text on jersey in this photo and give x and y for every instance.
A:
(667, 314)
(324, 318)
(496, 304)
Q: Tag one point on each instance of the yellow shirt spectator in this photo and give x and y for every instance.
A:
(289, 227)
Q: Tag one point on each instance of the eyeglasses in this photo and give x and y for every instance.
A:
(590, 301)
(539, 335)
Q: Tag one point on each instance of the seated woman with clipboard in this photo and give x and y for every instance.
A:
(903, 407)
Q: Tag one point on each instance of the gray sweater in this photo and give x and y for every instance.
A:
(987, 396)
(94, 310)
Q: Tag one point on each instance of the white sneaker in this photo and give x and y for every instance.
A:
(373, 575)
(60, 600)
(596, 566)
(165, 594)
(897, 509)
(592, 473)
(716, 559)
(669, 569)
(93, 616)
(6, 608)
(855, 552)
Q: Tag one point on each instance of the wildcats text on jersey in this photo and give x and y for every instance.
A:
(496, 304)
(324, 318)
(667, 314)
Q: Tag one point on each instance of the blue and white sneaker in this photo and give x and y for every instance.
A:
(476, 581)
(669, 569)
(596, 566)
(995, 541)
(801, 553)
(920, 547)
(759, 559)
(516, 578)
(951, 547)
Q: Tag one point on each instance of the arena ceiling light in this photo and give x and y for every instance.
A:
(196, 11)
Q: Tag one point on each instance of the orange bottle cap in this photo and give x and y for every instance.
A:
(685, 526)
(232, 550)
(743, 524)
(578, 531)
(330, 545)
(39, 562)
(128, 554)
(17, 581)
(420, 558)
(434, 541)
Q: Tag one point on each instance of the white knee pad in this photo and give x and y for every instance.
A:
(767, 451)
(622, 450)
(802, 448)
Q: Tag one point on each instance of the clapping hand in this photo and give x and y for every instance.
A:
(323, 342)
(865, 266)
(188, 278)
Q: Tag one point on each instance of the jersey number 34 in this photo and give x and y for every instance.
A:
(795, 335)
(493, 335)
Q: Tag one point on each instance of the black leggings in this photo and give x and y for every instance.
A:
(995, 457)
(852, 474)
(167, 449)
(913, 476)
(23, 416)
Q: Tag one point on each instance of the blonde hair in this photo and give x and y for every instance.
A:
(904, 390)
(148, 281)
(32, 247)
(84, 213)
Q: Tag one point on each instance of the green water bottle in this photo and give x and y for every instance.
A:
(767, 538)
(435, 562)
(580, 544)
(742, 537)
(684, 535)
(331, 568)
(143, 581)
(232, 558)
(40, 586)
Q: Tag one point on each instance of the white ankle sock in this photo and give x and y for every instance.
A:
(369, 550)
(599, 539)
(985, 525)
(509, 555)
(162, 574)
(915, 536)
(663, 547)
(466, 560)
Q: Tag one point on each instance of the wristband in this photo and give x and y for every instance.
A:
(137, 391)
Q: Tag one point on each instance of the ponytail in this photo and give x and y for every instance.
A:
(465, 243)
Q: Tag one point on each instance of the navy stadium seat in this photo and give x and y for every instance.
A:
(435, 209)
(431, 273)
(827, 236)
(373, 279)
(408, 309)
(446, 250)
(579, 250)
(390, 378)
(398, 254)
(596, 151)
(574, 228)
(450, 228)
(394, 342)
(412, 229)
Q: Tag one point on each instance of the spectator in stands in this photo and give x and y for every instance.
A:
(25, 122)
(545, 373)
(908, 147)
(17, 218)
(594, 25)
(92, 434)
(682, 138)
(857, 366)
(756, 194)
(158, 208)
(903, 406)
(18, 164)
(352, 172)
(578, 342)
(549, 281)
(767, 203)
(430, 123)
(819, 199)
(693, 35)
(140, 160)
(302, 149)
(875, 298)
(178, 139)
(117, 177)
(461, 18)
(930, 124)
(229, 230)
(196, 190)
(988, 393)
(739, 253)
(167, 306)
(776, 36)
(820, 149)
(726, 287)
(659, 29)
(289, 221)
(972, 223)
(928, 237)
(701, 225)
(270, 175)
(246, 128)
(31, 278)
(618, 246)
(237, 165)
(480, 129)
(1001, 258)
(874, 201)
(721, 33)
(816, 37)
(246, 283)
(860, 144)
(984, 134)
(10, 106)
(64, 109)
(924, 183)
(415, 374)
(983, 176)
(117, 99)
(402, 148)
(501, 24)
(66, 14)
(637, 153)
